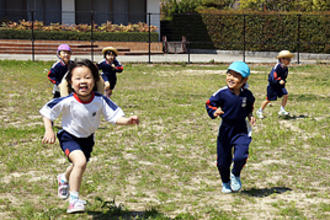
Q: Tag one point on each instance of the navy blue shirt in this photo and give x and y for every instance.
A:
(279, 72)
(235, 107)
(57, 72)
(107, 68)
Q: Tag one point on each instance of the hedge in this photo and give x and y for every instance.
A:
(85, 36)
(263, 31)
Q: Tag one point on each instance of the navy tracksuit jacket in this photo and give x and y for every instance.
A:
(108, 72)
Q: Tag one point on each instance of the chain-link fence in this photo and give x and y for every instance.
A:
(143, 37)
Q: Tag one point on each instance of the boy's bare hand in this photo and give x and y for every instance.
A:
(133, 120)
(252, 120)
(49, 138)
(282, 82)
(218, 112)
(106, 85)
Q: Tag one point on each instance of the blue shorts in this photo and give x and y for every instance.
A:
(273, 93)
(70, 143)
(112, 79)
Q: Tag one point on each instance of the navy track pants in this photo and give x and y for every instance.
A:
(232, 137)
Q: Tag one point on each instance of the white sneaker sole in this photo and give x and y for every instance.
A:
(72, 211)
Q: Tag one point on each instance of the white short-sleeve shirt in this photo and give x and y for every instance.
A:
(79, 118)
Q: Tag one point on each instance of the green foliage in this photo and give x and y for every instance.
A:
(285, 5)
(263, 31)
(70, 35)
(106, 27)
(173, 7)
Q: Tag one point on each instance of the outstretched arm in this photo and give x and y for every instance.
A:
(49, 136)
(128, 121)
(117, 66)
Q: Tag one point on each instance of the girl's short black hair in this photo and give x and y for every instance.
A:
(79, 63)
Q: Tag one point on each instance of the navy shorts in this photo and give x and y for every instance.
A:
(70, 143)
(112, 79)
(273, 93)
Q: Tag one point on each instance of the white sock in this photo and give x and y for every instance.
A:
(74, 196)
(63, 178)
(260, 109)
(282, 109)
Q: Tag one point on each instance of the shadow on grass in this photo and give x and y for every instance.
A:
(110, 210)
(293, 117)
(265, 191)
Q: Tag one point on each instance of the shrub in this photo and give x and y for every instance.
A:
(263, 32)
(70, 35)
(106, 27)
(56, 31)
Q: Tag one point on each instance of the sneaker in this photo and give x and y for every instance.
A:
(235, 183)
(76, 206)
(283, 113)
(63, 188)
(226, 188)
(259, 114)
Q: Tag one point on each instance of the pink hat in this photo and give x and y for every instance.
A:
(63, 47)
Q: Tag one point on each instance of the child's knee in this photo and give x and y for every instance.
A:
(242, 154)
(241, 158)
(80, 164)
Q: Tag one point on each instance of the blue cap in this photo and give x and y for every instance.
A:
(240, 67)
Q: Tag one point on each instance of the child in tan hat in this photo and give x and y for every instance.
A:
(276, 83)
(110, 66)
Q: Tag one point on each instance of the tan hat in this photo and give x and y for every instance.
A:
(64, 91)
(104, 50)
(285, 54)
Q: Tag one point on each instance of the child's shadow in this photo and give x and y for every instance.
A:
(265, 191)
(292, 117)
(111, 210)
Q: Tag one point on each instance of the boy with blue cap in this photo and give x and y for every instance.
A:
(233, 103)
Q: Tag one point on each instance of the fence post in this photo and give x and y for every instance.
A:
(188, 50)
(92, 35)
(298, 40)
(244, 28)
(149, 38)
(32, 34)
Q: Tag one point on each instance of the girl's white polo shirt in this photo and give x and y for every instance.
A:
(79, 118)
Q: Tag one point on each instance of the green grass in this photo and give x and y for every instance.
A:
(165, 167)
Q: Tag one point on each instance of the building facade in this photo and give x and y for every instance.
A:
(79, 11)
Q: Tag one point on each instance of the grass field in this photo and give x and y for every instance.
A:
(165, 167)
